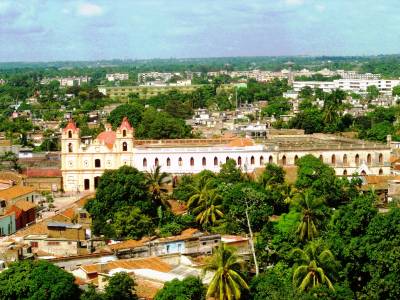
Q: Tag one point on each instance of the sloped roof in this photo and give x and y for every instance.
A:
(186, 234)
(152, 263)
(25, 205)
(69, 213)
(15, 191)
(108, 138)
(378, 182)
(71, 126)
(43, 172)
(147, 289)
(125, 124)
(129, 244)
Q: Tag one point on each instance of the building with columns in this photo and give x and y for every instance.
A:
(83, 162)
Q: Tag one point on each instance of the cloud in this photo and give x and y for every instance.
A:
(90, 10)
(320, 7)
(294, 2)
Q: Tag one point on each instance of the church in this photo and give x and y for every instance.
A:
(84, 161)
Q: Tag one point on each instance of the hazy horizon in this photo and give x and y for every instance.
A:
(54, 31)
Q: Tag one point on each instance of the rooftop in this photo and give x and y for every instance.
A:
(319, 141)
(15, 191)
(42, 172)
(25, 205)
(152, 263)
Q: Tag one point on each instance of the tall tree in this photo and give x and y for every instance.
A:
(311, 210)
(37, 279)
(157, 182)
(120, 287)
(228, 282)
(209, 209)
(190, 288)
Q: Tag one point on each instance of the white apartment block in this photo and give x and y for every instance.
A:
(117, 76)
(67, 81)
(349, 85)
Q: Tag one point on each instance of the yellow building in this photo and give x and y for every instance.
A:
(122, 92)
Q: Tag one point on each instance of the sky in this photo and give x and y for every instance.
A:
(51, 30)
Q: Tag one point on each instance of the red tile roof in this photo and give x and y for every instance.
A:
(25, 205)
(42, 172)
(107, 137)
(69, 213)
(71, 126)
(153, 263)
(125, 124)
(128, 244)
(15, 191)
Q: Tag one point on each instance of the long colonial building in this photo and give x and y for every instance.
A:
(84, 161)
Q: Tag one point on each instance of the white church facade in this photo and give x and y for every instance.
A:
(83, 162)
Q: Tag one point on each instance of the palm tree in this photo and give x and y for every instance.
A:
(157, 182)
(312, 265)
(227, 282)
(208, 210)
(200, 191)
(310, 208)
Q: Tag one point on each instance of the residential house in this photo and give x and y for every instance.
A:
(190, 241)
(56, 238)
(25, 213)
(44, 179)
(7, 224)
(17, 193)
(150, 273)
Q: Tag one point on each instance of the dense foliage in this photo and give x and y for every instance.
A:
(37, 280)
(190, 288)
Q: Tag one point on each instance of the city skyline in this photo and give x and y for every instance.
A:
(94, 30)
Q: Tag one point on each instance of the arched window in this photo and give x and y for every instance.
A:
(321, 158)
(70, 147)
(261, 160)
(124, 146)
(215, 161)
(345, 172)
(357, 160)
(239, 161)
(270, 159)
(284, 160)
(333, 159)
(227, 158)
(296, 158)
(345, 159)
(69, 134)
(252, 160)
(363, 173)
(156, 162)
(124, 133)
(168, 162)
(96, 181)
(192, 161)
(203, 162)
(144, 162)
(380, 172)
(380, 158)
(180, 161)
(97, 163)
(369, 159)
(86, 184)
